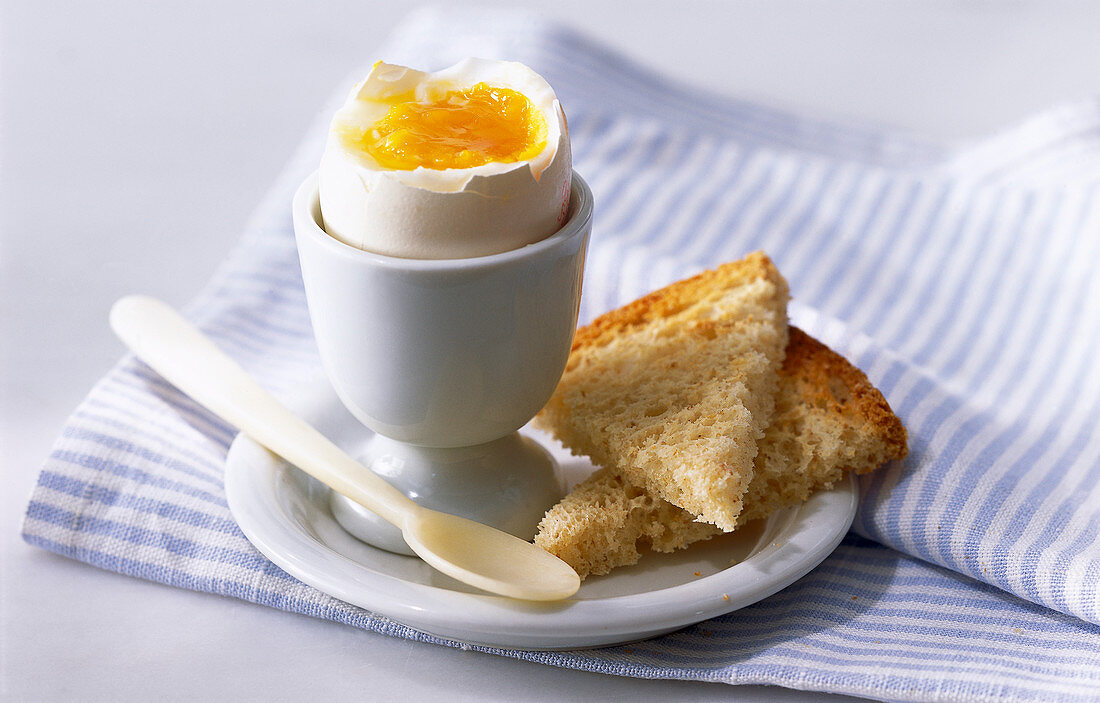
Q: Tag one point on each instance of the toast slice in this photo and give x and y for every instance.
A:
(675, 389)
(828, 420)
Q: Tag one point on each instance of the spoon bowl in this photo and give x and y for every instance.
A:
(488, 558)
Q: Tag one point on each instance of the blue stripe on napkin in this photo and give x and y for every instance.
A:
(962, 281)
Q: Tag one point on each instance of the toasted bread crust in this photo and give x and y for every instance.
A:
(674, 298)
(827, 379)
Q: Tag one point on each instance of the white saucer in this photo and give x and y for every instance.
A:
(286, 515)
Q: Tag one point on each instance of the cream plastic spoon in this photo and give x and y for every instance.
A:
(473, 553)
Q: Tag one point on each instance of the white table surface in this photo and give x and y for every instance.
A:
(136, 139)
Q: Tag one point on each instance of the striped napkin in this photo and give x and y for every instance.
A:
(962, 281)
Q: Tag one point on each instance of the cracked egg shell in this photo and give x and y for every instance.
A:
(391, 184)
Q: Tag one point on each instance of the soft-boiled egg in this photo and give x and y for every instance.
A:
(468, 161)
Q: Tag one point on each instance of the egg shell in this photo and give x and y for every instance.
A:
(454, 213)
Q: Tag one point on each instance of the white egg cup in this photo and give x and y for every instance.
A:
(444, 359)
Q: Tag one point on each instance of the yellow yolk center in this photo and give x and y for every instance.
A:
(463, 129)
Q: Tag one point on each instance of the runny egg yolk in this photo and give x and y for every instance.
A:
(462, 129)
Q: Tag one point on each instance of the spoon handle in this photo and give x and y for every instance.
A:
(188, 359)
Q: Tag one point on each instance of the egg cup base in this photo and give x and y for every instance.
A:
(508, 483)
